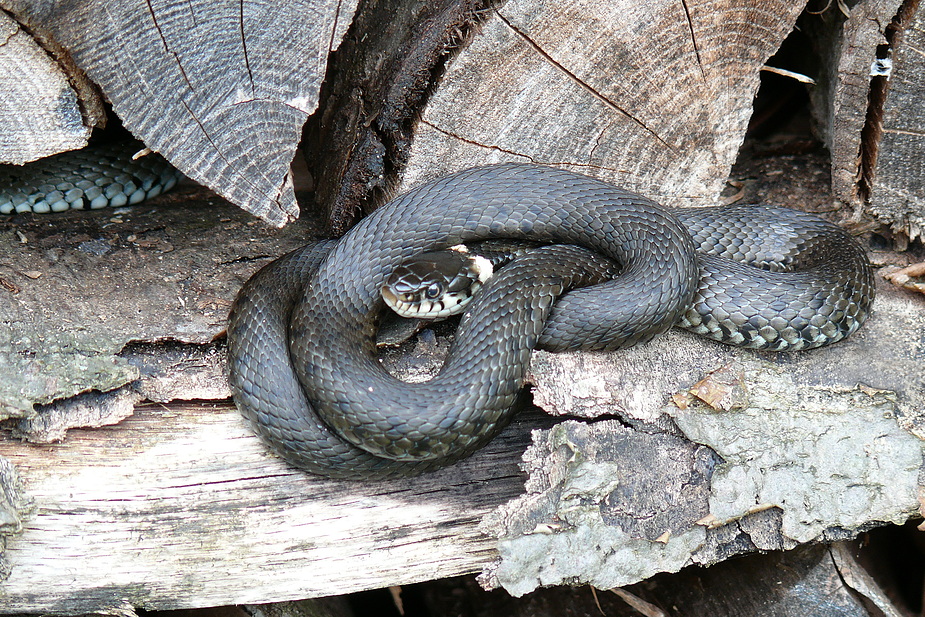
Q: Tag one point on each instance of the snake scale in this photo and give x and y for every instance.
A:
(99, 176)
(302, 357)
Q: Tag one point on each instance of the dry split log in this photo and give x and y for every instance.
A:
(221, 90)
(654, 96)
(873, 99)
(39, 111)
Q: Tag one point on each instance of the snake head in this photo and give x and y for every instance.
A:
(436, 284)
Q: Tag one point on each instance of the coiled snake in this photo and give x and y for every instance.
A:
(302, 358)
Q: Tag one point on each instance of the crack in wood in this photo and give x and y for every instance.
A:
(475, 143)
(334, 28)
(876, 100)
(192, 13)
(176, 57)
(512, 153)
(205, 133)
(598, 140)
(690, 25)
(247, 62)
(585, 85)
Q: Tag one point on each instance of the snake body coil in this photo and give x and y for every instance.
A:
(301, 333)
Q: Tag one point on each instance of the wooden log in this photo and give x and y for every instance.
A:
(221, 90)
(375, 88)
(848, 49)
(806, 454)
(78, 287)
(871, 99)
(39, 111)
(653, 96)
(159, 495)
(897, 191)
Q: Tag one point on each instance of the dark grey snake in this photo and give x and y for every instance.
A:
(302, 356)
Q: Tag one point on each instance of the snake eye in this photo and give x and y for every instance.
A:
(433, 291)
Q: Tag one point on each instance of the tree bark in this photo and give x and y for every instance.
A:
(873, 97)
(897, 191)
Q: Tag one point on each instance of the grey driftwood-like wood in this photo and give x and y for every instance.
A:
(153, 499)
(654, 96)
(871, 99)
(848, 51)
(221, 90)
(897, 192)
(39, 111)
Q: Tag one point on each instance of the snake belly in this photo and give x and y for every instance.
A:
(325, 404)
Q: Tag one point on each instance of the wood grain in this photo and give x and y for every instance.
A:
(220, 89)
(897, 196)
(655, 96)
(870, 100)
(39, 112)
(180, 506)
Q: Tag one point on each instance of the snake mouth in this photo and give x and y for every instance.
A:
(418, 308)
(392, 300)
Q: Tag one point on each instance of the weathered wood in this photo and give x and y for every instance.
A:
(77, 288)
(819, 581)
(84, 505)
(808, 581)
(375, 87)
(897, 194)
(655, 96)
(830, 440)
(220, 89)
(162, 493)
(847, 49)
(871, 99)
(39, 112)
(807, 454)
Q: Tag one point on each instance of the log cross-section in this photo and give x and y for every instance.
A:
(221, 89)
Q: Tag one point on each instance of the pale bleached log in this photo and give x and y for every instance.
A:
(182, 506)
(654, 96)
